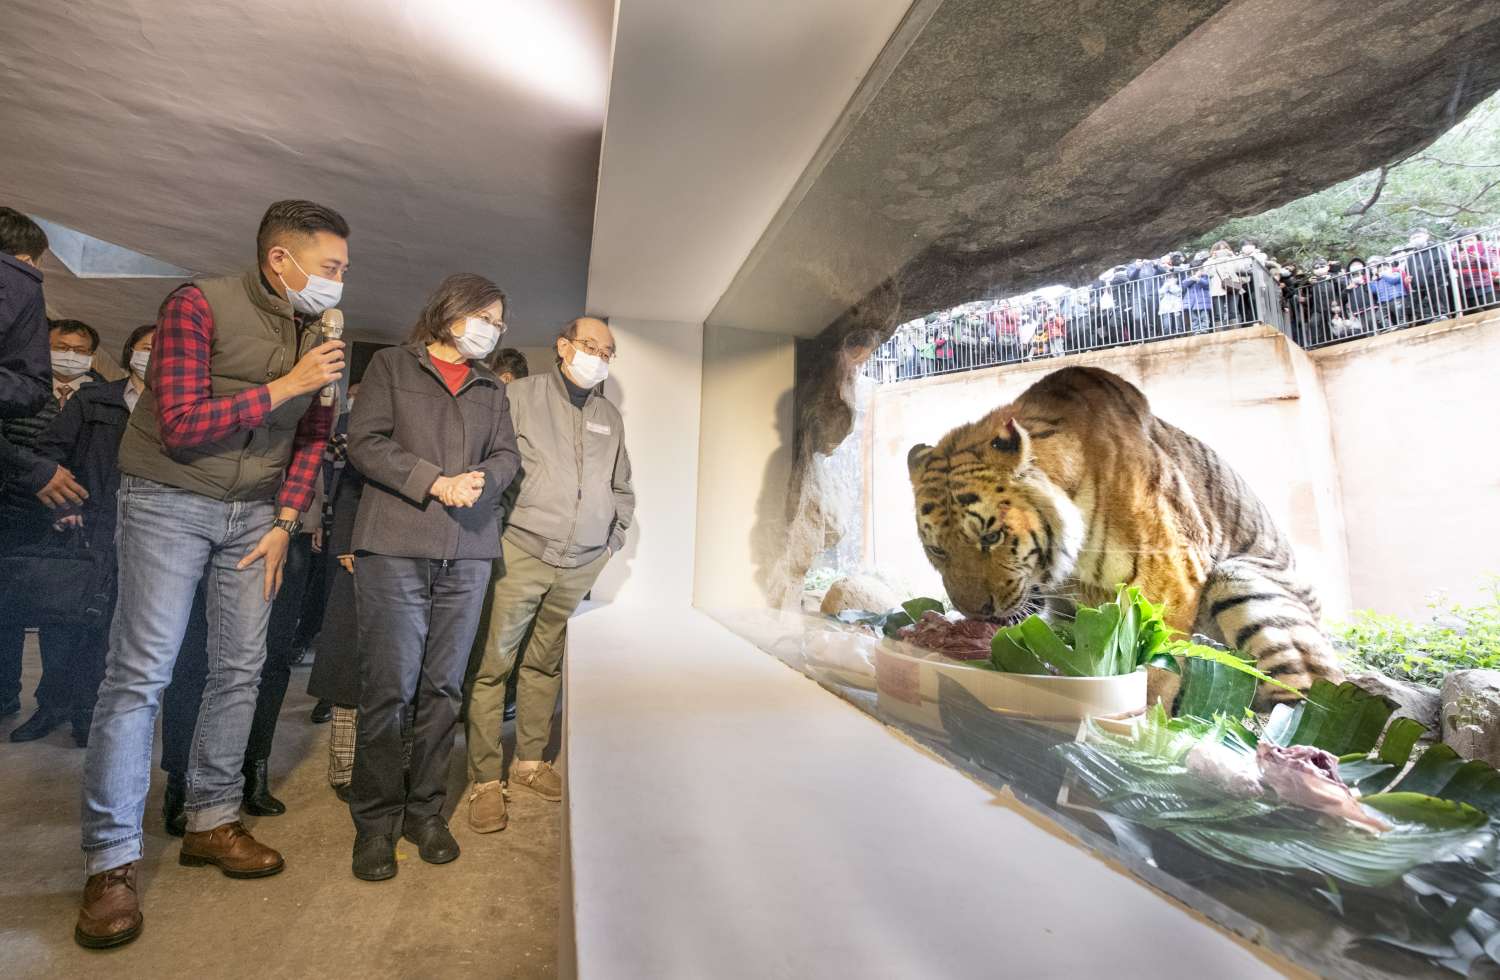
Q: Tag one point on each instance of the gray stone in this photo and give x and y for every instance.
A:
(1471, 714)
(1413, 700)
(859, 592)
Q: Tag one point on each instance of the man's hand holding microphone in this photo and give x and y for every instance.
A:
(318, 368)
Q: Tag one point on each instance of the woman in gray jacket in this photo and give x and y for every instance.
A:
(431, 434)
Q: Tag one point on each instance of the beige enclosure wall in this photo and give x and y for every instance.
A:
(745, 461)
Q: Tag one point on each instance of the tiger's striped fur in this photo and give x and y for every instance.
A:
(1076, 487)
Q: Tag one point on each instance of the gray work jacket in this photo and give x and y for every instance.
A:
(573, 495)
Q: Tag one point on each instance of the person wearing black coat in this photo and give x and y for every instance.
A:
(431, 433)
(84, 437)
(25, 367)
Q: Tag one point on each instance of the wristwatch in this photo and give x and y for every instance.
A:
(291, 527)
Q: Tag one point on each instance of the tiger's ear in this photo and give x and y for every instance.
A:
(1013, 439)
(916, 459)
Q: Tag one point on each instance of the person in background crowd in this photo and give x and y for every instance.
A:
(1222, 268)
(431, 433)
(1057, 332)
(1478, 265)
(510, 365)
(1322, 302)
(25, 371)
(1389, 286)
(563, 528)
(1426, 266)
(1007, 325)
(334, 679)
(1197, 295)
(35, 488)
(203, 501)
(85, 438)
(1358, 299)
(1169, 304)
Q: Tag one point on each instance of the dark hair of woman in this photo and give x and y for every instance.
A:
(458, 296)
(132, 340)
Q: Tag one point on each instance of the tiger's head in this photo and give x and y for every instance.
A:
(994, 525)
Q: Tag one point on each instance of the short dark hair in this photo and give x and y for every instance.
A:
(457, 296)
(131, 341)
(19, 235)
(285, 219)
(75, 326)
(508, 360)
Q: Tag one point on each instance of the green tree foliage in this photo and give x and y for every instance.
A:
(1449, 187)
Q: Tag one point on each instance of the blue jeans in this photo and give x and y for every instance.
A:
(167, 540)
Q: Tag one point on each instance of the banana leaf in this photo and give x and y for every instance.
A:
(1340, 719)
(1218, 681)
(888, 623)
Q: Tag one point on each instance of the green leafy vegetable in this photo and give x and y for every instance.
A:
(1107, 640)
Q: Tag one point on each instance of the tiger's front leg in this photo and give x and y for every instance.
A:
(1261, 609)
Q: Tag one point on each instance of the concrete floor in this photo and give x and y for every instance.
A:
(492, 913)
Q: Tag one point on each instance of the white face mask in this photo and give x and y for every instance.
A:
(70, 364)
(480, 337)
(320, 293)
(138, 362)
(588, 369)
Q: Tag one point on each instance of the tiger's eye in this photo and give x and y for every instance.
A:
(991, 539)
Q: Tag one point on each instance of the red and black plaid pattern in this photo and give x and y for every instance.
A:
(188, 413)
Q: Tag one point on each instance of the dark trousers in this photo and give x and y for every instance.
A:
(417, 620)
(314, 597)
(72, 666)
(179, 707)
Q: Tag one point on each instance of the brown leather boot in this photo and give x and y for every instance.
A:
(111, 911)
(232, 850)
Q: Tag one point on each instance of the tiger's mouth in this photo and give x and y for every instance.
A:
(1030, 604)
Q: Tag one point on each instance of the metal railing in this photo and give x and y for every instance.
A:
(1411, 286)
(1145, 302)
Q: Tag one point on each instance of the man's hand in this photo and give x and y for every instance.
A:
(62, 489)
(318, 368)
(272, 547)
(347, 561)
(68, 522)
(317, 539)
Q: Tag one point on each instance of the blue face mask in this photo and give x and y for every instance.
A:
(320, 293)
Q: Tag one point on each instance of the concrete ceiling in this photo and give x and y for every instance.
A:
(1029, 142)
(455, 135)
(715, 110)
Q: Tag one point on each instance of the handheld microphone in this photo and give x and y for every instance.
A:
(332, 328)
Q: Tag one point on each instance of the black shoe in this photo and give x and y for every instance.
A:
(39, 725)
(434, 843)
(374, 857)
(258, 799)
(11, 707)
(174, 803)
(322, 712)
(342, 792)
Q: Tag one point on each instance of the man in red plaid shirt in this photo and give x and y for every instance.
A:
(218, 460)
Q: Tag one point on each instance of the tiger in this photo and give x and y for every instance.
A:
(1075, 488)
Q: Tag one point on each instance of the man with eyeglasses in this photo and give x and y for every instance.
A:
(573, 504)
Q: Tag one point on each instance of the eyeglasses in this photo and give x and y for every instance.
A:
(499, 325)
(605, 354)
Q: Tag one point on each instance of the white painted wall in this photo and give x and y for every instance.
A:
(655, 382)
(745, 455)
(1414, 417)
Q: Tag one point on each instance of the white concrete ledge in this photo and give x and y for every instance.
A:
(728, 818)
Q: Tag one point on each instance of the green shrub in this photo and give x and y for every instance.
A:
(1458, 637)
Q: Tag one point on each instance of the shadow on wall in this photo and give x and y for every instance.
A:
(774, 508)
(617, 570)
(827, 366)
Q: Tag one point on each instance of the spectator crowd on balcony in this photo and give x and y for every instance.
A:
(1330, 300)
